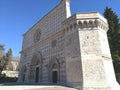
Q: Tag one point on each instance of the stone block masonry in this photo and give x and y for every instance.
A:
(68, 50)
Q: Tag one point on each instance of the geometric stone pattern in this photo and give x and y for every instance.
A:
(69, 50)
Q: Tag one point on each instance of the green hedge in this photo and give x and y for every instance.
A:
(7, 79)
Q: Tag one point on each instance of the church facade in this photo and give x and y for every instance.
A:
(69, 50)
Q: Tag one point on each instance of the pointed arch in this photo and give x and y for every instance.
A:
(23, 74)
(54, 67)
(36, 67)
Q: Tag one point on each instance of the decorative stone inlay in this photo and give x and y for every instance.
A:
(79, 53)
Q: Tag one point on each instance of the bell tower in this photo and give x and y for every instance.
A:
(88, 59)
(67, 7)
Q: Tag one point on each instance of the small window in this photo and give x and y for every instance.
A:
(54, 43)
(37, 35)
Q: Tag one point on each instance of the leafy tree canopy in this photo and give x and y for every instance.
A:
(114, 36)
(5, 60)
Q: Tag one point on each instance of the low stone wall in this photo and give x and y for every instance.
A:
(11, 73)
(118, 77)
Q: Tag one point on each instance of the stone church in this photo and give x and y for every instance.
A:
(68, 50)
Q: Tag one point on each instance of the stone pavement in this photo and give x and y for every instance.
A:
(32, 87)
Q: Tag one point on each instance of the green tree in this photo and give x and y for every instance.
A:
(113, 36)
(3, 63)
(1, 50)
(9, 55)
(2, 58)
(9, 59)
(5, 60)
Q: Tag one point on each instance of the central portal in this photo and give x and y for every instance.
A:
(54, 78)
(37, 74)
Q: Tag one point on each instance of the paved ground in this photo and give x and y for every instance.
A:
(35, 88)
(7, 86)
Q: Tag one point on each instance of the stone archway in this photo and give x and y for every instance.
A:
(24, 69)
(36, 68)
(54, 71)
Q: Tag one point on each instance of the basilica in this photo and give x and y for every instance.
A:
(69, 50)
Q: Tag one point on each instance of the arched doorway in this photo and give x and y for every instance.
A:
(53, 71)
(36, 68)
(37, 74)
(24, 73)
(23, 79)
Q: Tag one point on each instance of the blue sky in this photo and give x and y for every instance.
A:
(17, 16)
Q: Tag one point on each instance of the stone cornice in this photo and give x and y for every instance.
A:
(86, 20)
